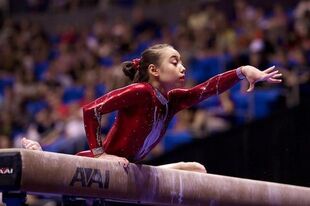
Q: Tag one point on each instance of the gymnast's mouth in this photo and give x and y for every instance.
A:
(182, 78)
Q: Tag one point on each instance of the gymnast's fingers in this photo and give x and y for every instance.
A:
(269, 69)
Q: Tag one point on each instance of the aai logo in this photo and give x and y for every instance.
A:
(86, 177)
(6, 170)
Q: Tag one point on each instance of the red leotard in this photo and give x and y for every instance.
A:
(143, 115)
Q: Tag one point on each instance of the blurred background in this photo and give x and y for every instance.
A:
(57, 55)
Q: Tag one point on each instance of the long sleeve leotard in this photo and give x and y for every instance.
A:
(144, 114)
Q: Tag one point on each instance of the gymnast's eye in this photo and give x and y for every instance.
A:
(175, 63)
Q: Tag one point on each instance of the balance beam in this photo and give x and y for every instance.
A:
(45, 172)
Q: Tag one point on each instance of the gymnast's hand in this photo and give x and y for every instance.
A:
(253, 75)
(121, 160)
(30, 144)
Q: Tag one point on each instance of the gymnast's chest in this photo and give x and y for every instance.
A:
(153, 112)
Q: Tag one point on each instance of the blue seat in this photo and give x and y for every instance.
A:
(100, 90)
(40, 69)
(106, 61)
(174, 139)
(5, 82)
(204, 68)
(33, 107)
(74, 93)
(263, 100)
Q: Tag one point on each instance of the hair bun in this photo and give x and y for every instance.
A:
(129, 69)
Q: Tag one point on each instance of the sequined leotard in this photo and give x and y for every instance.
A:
(143, 115)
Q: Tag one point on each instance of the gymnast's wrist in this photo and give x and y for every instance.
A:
(240, 72)
(98, 151)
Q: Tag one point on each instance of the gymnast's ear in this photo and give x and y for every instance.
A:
(153, 70)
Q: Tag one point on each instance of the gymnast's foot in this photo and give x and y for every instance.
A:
(30, 144)
(188, 166)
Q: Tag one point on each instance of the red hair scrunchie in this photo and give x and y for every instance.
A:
(136, 63)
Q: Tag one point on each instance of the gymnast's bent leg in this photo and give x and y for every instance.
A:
(188, 166)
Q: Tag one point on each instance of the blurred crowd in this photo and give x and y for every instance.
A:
(46, 77)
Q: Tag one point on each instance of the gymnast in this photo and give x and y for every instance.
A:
(146, 106)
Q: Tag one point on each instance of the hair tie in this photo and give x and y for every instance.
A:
(136, 63)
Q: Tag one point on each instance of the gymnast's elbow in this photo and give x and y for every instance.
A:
(88, 110)
(85, 109)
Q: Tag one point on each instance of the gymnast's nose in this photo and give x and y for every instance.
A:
(182, 69)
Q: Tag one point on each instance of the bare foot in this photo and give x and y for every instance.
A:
(188, 166)
(30, 144)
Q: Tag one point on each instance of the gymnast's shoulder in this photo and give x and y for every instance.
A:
(142, 88)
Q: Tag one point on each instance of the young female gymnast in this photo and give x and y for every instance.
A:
(146, 106)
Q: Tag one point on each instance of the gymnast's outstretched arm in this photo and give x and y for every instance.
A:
(185, 98)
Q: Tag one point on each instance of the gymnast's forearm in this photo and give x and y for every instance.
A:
(219, 83)
(185, 98)
(92, 130)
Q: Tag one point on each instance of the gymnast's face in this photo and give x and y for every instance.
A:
(170, 71)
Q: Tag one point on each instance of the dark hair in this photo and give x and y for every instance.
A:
(149, 56)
